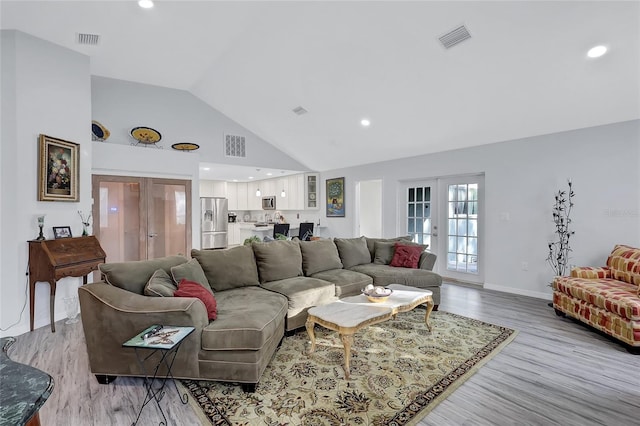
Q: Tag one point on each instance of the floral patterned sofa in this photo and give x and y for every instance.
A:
(606, 298)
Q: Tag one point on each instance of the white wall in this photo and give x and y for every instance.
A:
(521, 178)
(369, 208)
(45, 89)
(179, 117)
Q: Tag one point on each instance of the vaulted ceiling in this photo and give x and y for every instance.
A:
(523, 72)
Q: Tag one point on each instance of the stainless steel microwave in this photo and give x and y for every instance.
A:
(268, 203)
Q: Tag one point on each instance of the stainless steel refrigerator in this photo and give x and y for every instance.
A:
(213, 223)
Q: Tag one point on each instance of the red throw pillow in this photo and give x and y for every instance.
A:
(193, 289)
(406, 256)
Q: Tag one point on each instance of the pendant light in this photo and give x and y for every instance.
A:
(258, 193)
(283, 194)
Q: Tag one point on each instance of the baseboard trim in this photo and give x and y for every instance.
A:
(519, 291)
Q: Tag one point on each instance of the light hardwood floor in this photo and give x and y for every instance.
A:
(556, 372)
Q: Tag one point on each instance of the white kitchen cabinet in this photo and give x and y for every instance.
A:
(282, 203)
(254, 202)
(234, 235)
(232, 196)
(213, 188)
(242, 191)
(296, 192)
(311, 191)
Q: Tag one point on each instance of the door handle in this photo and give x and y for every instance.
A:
(153, 234)
(434, 232)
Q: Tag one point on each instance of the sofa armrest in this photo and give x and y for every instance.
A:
(111, 316)
(427, 260)
(590, 272)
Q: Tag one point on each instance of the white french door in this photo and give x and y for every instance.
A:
(420, 213)
(446, 214)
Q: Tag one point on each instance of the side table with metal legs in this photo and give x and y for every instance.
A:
(166, 342)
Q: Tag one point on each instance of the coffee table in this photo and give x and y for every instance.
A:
(348, 315)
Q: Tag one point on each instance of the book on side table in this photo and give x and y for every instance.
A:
(159, 337)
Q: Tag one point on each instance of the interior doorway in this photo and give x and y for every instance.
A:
(138, 218)
(369, 208)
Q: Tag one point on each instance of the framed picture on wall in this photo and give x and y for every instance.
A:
(335, 197)
(58, 170)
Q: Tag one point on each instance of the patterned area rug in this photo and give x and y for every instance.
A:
(399, 372)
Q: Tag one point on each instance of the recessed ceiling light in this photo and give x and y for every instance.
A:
(269, 174)
(597, 51)
(206, 168)
(365, 122)
(145, 4)
(250, 177)
(235, 180)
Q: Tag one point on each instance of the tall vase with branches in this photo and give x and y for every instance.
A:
(559, 249)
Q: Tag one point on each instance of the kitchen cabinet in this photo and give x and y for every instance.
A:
(254, 202)
(311, 191)
(213, 188)
(282, 203)
(235, 237)
(296, 192)
(232, 196)
(242, 194)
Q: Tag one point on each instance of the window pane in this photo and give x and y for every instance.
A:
(473, 246)
(452, 244)
(427, 226)
(426, 239)
(412, 195)
(427, 193)
(452, 227)
(411, 228)
(452, 209)
(418, 209)
(473, 228)
(452, 192)
(451, 260)
(427, 211)
(462, 227)
(473, 191)
(418, 194)
(462, 192)
(462, 244)
(418, 238)
(419, 226)
(412, 210)
(473, 208)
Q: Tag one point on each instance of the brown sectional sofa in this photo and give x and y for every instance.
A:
(262, 291)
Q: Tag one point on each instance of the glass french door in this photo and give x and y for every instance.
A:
(420, 213)
(452, 206)
(141, 218)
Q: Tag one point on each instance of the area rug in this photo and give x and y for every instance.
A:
(399, 372)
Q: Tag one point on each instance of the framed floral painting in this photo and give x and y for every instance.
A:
(58, 168)
(335, 197)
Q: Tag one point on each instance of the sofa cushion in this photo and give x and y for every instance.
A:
(303, 292)
(406, 255)
(384, 275)
(247, 319)
(624, 262)
(347, 282)
(371, 243)
(229, 268)
(383, 252)
(134, 275)
(188, 288)
(160, 285)
(319, 255)
(353, 251)
(278, 260)
(611, 295)
(191, 271)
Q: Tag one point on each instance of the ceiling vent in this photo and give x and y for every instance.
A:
(87, 39)
(454, 37)
(299, 110)
(234, 146)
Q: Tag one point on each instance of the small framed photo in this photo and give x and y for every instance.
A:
(62, 232)
(58, 168)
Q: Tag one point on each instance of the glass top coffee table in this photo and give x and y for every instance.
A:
(348, 315)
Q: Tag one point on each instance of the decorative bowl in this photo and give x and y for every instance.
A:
(377, 294)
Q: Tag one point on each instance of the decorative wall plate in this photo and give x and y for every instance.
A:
(146, 135)
(185, 146)
(99, 132)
